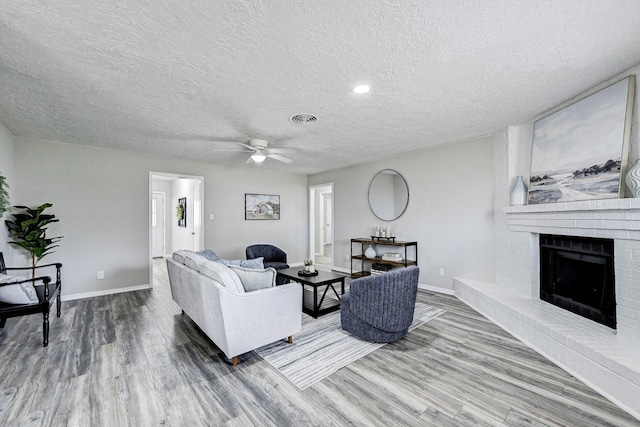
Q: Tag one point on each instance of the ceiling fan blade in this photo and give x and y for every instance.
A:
(247, 146)
(279, 158)
(281, 150)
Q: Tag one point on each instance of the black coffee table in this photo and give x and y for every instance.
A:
(310, 303)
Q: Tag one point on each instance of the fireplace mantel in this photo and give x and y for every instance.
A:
(585, 205)
(609, 218)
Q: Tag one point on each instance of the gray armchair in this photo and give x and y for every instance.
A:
(380, 308)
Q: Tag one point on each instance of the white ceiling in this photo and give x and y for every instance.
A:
(179, 78)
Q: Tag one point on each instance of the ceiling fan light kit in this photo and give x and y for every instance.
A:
(258, 158)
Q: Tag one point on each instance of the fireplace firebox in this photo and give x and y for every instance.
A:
(577, 274)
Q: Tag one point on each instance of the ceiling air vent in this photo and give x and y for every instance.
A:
(303, 118)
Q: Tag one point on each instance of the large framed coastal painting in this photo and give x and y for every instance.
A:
(580, 151)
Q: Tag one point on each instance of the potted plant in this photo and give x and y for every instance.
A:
(4, 195)
(308, 266)
(29, 229)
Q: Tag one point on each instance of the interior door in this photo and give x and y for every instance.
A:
(157, 224)
(327, 219)
(197, 217)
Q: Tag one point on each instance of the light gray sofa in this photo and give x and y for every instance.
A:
(213, 296)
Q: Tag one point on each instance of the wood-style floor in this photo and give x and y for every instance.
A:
(132, 359)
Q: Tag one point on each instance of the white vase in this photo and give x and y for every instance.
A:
(370, 252)
(633, 179)
(519, 192)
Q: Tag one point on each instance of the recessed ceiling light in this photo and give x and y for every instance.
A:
(360, 89)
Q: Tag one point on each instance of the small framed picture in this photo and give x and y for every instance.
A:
(261, 206)
(181, 212)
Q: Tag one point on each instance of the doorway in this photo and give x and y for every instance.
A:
(321, 224)
(166, 233)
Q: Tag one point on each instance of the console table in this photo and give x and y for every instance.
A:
(410, 250)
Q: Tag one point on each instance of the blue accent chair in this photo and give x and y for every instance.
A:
(273, 257)
(380, 308)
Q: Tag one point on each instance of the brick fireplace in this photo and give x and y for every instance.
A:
(605, 358)
(616, 219)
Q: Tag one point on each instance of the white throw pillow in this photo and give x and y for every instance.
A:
(21, 293)
(223, 274)
(253, 280)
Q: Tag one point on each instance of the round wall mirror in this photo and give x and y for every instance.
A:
(388, 195)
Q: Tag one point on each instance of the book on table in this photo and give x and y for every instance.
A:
(391, 256)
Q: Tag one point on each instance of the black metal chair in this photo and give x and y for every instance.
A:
(47, 292)
(273, 257)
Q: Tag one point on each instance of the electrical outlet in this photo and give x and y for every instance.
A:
(100, 275)
(441, 272)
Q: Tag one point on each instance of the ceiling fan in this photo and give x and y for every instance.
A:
(259, 151)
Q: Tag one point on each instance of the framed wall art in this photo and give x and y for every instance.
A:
(580, 151)
(261, 206)
(181, 212)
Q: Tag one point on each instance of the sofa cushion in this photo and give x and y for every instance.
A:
(253, 280)
(178, 256)
(222, 274)
(208, 254)
(246, 263)
(20, 293)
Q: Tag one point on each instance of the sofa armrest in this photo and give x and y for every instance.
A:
(260, 317)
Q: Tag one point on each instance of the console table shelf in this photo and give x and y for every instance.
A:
(378, 259)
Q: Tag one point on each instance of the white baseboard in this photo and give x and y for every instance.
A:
(422, 286)
(436, 289)
(83, 295)
(342, 270)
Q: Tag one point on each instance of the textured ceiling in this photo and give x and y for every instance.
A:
(179, 78)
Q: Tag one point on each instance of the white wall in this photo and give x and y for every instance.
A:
(8, 171)
(101, 197)
(450, 212)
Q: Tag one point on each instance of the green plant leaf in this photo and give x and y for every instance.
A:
(29, 229)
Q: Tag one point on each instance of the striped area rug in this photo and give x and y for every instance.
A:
(322, 347)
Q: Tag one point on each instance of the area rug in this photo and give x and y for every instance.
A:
(322, 347)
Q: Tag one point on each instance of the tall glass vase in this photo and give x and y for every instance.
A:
(519, 192)
(633, 179)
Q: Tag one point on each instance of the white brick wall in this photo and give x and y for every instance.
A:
(605, 359)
